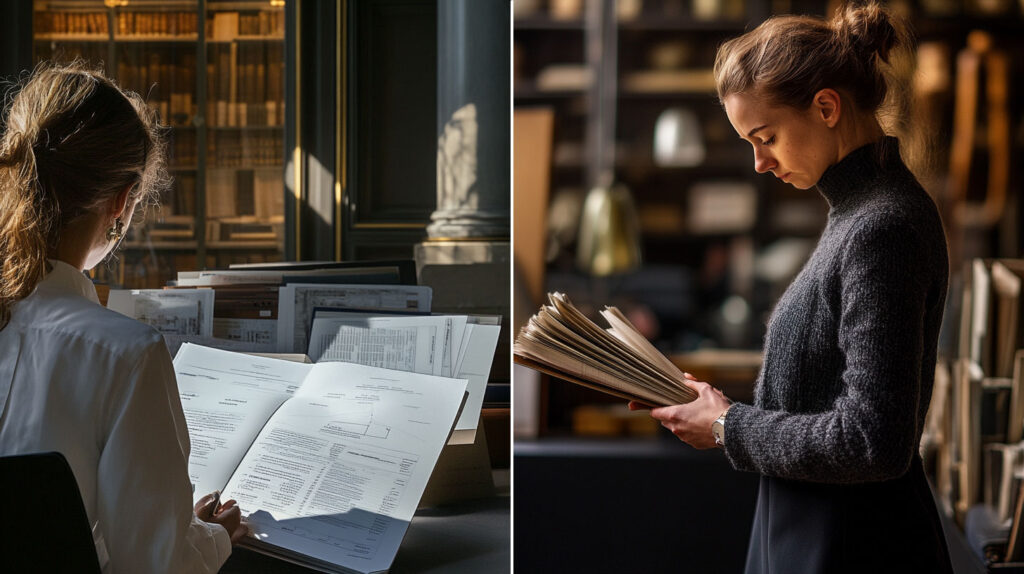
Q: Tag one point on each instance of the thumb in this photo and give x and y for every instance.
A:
(204, 508)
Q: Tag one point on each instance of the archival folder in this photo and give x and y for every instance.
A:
(561, 341)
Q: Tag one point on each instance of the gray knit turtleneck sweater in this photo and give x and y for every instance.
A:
(849, 356)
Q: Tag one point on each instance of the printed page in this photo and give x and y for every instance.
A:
(418, 344)
(223, 420)
(260, 373)
(475, 367)
(297, 301)
(172, 312)
(175, 342)
(622, 329)
(338, 471)
(260, 333)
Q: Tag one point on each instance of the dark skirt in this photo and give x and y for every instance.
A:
(890, 526)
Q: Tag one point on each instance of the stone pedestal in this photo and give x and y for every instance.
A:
(467, 276)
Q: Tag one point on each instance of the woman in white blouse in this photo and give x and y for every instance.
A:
(77, 159)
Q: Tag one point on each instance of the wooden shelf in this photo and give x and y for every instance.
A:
(650, 23)
(533, 94)
(243, 128)
(244, 245)
(546, 23)
(162, 245)
(275, 166)
(72, 38)
(248, 39)
(161, 38)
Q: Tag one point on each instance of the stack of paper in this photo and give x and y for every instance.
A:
(561, 341)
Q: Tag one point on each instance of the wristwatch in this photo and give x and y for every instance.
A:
(718, 429)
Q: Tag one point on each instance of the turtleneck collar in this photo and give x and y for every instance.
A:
(858, 169)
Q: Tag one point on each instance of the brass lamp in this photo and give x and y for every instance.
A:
(609, 236)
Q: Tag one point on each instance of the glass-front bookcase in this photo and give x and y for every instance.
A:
(215, 73)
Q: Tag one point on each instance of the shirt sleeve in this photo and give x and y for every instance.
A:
(144, 496)
(870, 432)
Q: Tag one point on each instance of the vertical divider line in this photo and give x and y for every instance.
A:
(297, 156)
(202, 122)
(341, 130)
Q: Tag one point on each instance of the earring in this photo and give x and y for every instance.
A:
(115, 231)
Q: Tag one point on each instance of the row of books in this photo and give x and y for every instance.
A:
(245, 149)
(157, 24)
(221, 26)
(181, 199)
(71, 23)
(245, 82)
(230, 193)
(166, 78)
(182, 151)
(230, 25)
(975, 421)
(246, 85)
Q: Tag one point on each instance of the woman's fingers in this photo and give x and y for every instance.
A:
(204, 508)
(241, 532)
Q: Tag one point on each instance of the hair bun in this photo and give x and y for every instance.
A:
(867, 28)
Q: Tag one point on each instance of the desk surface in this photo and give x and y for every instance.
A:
(467, 537)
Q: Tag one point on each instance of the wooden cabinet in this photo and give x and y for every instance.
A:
(215, 73)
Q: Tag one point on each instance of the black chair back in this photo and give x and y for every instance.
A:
(43, 527)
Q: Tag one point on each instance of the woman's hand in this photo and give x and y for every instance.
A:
(228, 515)
(691, 422)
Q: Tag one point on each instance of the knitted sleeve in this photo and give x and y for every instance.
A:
(869, 433)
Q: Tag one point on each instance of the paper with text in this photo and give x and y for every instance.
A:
(418, 344)
(223, 419)
(297, 301)
(337, 472)
(261, 373)
(172, 312)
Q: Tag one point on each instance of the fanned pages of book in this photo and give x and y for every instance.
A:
(561, 341)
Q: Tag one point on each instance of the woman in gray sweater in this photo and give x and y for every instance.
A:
(850, 350)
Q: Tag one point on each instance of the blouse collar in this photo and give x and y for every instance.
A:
(64, 277)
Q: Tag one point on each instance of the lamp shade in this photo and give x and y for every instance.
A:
(609, 235)
(678, 139)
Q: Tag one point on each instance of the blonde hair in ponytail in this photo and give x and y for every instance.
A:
(787, 59)
(73, 141)
(24, 227)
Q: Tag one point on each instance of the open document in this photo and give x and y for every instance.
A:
(327, 461)
(563, 342)
(459, 346)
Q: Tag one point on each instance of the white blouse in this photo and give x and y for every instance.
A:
(99, 388)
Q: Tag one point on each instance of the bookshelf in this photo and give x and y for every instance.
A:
(215, 73)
